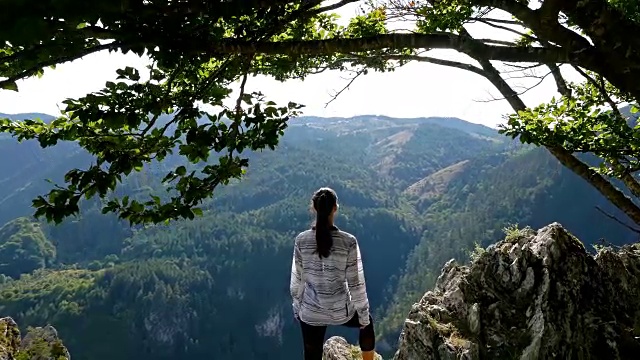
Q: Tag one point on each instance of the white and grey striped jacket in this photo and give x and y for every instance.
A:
(328, 291)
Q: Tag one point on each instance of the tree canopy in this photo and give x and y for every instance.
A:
(202, 49)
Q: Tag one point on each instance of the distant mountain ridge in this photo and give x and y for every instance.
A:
(31, 165)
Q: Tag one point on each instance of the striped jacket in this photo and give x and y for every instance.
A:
(328, 291)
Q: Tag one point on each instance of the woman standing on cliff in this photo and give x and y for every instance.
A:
(327, 281)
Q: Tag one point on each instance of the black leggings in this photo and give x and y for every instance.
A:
(313, 337)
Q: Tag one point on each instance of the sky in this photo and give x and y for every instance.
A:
(415, 90)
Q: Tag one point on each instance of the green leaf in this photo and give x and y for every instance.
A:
(11, 85)
(247, 98)
(181, 170)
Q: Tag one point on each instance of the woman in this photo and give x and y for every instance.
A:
(327, 281)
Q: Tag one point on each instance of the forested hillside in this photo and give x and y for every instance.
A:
(416, 192)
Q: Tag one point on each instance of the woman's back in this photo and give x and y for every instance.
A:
(327, 281)
(330, 286)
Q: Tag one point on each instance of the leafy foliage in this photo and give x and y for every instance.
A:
(581, 123)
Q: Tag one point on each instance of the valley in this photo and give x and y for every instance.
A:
(416, 193)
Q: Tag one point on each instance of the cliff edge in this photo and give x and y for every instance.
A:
(40, 343)
(534, 295)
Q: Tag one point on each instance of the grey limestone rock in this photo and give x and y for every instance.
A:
(532, 296)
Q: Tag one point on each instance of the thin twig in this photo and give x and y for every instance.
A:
(408, 58)
(335, 6)
(532, 38)
(497, 42)
(335, 96)
(520, 67)
(167, 92)
(527, 89)
(603, 91)
(527, 76)
(637, 231)
(241, 95)
(501, 21)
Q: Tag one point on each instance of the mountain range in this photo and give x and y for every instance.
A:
(415, 192)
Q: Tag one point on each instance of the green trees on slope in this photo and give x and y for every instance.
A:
(200, 49)
(527, 189)
(24, 248)
(216, 286)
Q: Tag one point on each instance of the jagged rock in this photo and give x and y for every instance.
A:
(9, 338)
(337, 348)
(38, 344)
(534, 295)
(42, 343)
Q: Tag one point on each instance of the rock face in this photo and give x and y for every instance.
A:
(337, 348)
(38, 344)
(534, 295)
(42, 343)
(9, 339)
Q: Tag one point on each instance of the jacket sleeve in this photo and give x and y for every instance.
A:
(296, 278)
(357, 286)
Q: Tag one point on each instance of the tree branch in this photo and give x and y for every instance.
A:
(617, 220)
(57, 60)
(605, 25)
(344, 88)
(566, 158)
(629, 181)
(395, 41)
(561, 83)
(331, 7)
(550, 9)
(497, 42)
(549, 29)
(499, 21)
(609, 30)
(617, 197)
(506, 28)
(432, 60)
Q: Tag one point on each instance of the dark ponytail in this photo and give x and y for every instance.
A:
(323, 201)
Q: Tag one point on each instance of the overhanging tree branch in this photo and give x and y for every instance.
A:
(61, 59)
(566, 158)
(608, 29)
(395, 42)
(332, 7)
(428, 59)
(550, 9)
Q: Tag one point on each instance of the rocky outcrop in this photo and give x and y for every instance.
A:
(534, 295)
(9, 339)
(40, 343)
(43, 343)
(337, 348)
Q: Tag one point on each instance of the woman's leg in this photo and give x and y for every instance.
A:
(367, 341)
(313, 340)
(367, 338)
